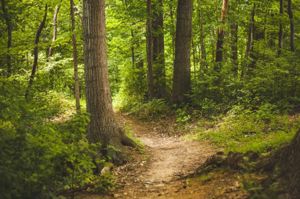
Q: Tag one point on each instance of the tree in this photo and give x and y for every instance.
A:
(181, 75)
(292, 26)
(75, 58)
(155, 49)
(234, 27)
(201, 38)
(280, 32)
(54, 34)
(221, 33)
(9, 35)
(103, 127)
(149, 35)
(36, 52)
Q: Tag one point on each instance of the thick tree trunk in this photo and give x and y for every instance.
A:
(75, 58)
(292, 26)
(54, 34)
(103, 127)
(150, 50)
(36, 52)
(280, 32)
(9, 36)
(182, 65)
(220, 39)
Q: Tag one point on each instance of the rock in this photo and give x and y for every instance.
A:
(105, 170)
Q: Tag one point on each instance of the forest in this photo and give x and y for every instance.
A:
(182, 99)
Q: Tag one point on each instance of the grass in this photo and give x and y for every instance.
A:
(248, 131)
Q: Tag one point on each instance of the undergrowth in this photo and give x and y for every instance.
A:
(43, 154)
(242, 130)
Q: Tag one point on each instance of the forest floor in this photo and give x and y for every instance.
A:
(162, 168)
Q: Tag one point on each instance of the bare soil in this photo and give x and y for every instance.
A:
(160, 170)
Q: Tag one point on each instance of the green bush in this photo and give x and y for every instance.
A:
(153, 109)
(39, 156)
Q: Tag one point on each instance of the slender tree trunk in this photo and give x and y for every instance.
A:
(54, 34)
(75, 58)
(132, 49)
(250, 41)
(234, 48)
(9, 36)
(172, 30)
(158, 50)
(182, 65)
(220, 39)
(292, 26)
(203, 64)
(150, 50)
(280, 32)
(103, 127)
(36, 52)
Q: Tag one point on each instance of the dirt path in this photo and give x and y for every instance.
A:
(159, 171)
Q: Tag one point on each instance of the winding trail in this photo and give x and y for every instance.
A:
(160, 170)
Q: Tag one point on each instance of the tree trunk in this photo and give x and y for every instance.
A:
(203, 64)
(54, 34)
(220, 39)
(182, 65)
(234, 48)
(280, 32)
(103, 127)
(158, 51)
(9, 36)
(132, 49)
(75, 58)
(156, 37)
(172, 26)
(150, 51)
(292, 26)
(250, 42)
(36, 52)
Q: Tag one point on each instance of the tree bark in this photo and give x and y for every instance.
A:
(103, 127)
(250, 43)
(156, 37)
(75, 58)
(54, 34)
(158, 51)
(203, 64)
(280, 32)
(182, 65)
(292, 26)
(220, 39)
(9, 36)
(234, 48)
(36, 52)
(149, 35)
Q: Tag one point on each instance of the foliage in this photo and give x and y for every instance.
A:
(41, 155)
(149, 110)
(243, 130)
